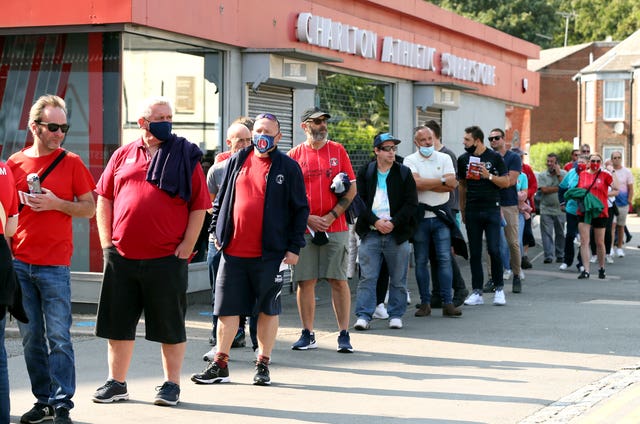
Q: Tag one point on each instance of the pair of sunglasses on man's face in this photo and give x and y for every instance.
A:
(54, 127)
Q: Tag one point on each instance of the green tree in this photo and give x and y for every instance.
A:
(597, 19)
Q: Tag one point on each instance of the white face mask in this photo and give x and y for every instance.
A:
(426, 151)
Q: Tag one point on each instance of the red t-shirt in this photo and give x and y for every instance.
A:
(46, 238)
(600, 189)
(319, 166)
(248, 208)
(147, 222)
(8, 193)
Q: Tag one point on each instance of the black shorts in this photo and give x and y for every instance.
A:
(247, 286)
(595, 222)
(157, 287)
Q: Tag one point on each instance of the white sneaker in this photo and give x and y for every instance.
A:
(474, 299)
(361, 324)
(395, 323)
(380, 312)
(620, 252)
(563, 267)
(408, 298)
(609, 259)
(594, 259)
(506, 275)
(522, 275)
(386, 297)
(208, 357)
(498, 298)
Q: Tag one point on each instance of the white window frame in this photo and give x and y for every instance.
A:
(609, 103)
(589, 101)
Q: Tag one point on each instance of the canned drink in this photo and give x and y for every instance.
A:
(33, 181)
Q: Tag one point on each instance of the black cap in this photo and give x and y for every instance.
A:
(313, 113)
(382, 137)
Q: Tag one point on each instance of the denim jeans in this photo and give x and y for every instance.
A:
(572, 230)
(4, 377)
(550, 224)
(477, 222)
(504, 251)
(213, 260)
(46, 296)
(373, 247)
(435, 230)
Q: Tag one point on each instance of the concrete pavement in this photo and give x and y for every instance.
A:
(562, 350)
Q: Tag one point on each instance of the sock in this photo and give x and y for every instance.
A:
(263, 359)
(221, 359)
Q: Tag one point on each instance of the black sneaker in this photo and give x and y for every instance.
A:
(62, 416)
(111, 391)
(239, 340)
(525, 264)
(489, 287)
(262, 375)
(344, 342)
(39, 413)
(459, 296)
(583, 275)
(306, 341)
(516, 286)
(601, 274)
(168, 394)
(213, 341)
(212, 374)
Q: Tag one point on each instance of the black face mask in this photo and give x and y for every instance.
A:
(471, 150)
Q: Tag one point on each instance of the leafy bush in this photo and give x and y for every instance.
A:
(636, 189)
(539, 151)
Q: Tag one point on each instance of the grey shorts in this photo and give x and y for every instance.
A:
(329, 261)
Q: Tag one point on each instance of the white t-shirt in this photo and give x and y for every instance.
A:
(435, 166)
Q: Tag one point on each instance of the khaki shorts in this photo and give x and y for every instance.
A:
(621, 218)
(329, 261)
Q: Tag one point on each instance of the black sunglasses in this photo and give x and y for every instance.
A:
(494, 138)
(595, 161)
(389, 148)
(270, 117)
(317, 121)
(54, 127)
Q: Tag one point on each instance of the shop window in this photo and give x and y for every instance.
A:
(589, 101)
(358, 108)
(613, 100)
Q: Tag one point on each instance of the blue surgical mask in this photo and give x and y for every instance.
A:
(426, 151)
(264, 142)
(160, 130)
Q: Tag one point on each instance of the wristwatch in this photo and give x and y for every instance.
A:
(443, 181)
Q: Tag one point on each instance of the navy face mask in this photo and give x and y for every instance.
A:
(264, 142)
(160, 130)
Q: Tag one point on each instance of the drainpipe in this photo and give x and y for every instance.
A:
(579, 82)
(630, 136)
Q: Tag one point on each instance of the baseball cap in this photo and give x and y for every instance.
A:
(518, 151)
(382, 137)
(313, 113)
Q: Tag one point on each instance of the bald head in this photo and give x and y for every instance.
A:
(238, 137)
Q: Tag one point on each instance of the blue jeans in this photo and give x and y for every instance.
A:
(46, 296)
(477, 222)
(4, 377)
(504, 251)
(213, 260)
(373, 247)
(433, 229)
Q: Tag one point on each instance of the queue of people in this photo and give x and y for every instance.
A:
(271, 211)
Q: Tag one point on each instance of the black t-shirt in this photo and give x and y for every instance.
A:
(482, 193)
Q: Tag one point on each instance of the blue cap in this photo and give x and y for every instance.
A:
(382, 137)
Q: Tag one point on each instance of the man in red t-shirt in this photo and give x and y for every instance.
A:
(152, 198)
(325, 254)
(42, 247)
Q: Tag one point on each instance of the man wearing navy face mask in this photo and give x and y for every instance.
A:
(152, 198)
(259, 218)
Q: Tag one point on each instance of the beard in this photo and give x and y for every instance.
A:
(319, 135)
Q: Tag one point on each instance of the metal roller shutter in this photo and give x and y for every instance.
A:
(279, 101)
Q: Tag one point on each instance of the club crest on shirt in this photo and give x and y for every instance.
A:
(279, 179)
(333, 161)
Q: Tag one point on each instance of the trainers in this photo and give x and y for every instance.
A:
(525, 264)
(40, 412)
(213, 341)
(408, 298)
(506, 275)
(424, 310)
(489, 287)
(594, 259)
(474, 299)
(563, 267)
(306, 341)
(111, 391)
(620, 252)
(521, 275)
(262, 375)
(609, 259)
(212, 374)
(361, 324)
(344, 342)
(380, 312)
(498, 298)
(239, 340)
(395, 323)
(168, 394)
(62, 416)
(459, 296)
(208, 357)
(583, 275)
(516, 286)
(601, 274)
(547, 260)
